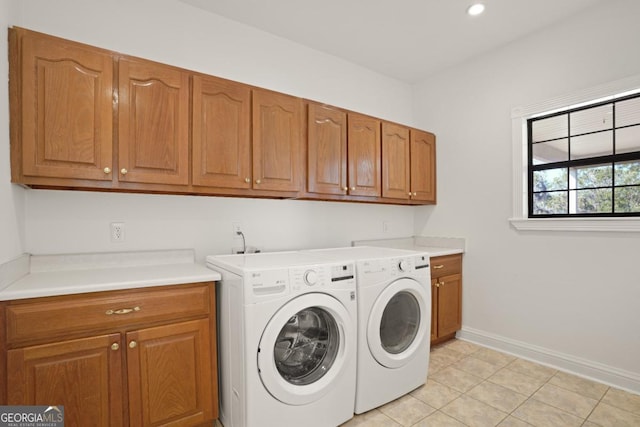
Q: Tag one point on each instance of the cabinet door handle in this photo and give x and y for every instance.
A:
(247, 180)
(122, 311)
(345, 188)
(258, 181)
(133, 344)
(437, 284)
(107, 170)
(438, 267)
(441, 283)
(353, 188)
(123, 171)
(115, 346)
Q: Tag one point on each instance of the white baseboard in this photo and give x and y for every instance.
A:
(609, 375)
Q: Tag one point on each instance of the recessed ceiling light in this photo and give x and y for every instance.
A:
(475, 9)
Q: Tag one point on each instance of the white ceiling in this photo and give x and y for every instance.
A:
(404, 39)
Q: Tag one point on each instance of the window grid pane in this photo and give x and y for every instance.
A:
(586, 162)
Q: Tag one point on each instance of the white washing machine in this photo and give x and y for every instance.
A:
(287, 340)
(394, 321)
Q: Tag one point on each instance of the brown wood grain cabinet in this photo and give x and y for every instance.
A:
(409, 164)
(221, 133)
(153, 123)
(277, 126)
(446, 294)
(365, 174)
(343, 152)
(88, 118)
(396, 178)
(326, 150)
(149, 359)
(423, 166)
(61, 105)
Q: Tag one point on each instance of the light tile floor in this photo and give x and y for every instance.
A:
(473, 386)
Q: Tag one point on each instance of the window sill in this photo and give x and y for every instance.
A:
(577, 224)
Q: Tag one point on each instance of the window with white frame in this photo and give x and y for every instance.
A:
(584, 161)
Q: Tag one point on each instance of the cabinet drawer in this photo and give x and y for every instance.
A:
(48, 318)
(446, 265)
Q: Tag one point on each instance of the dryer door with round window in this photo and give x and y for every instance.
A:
(303, 349)
(399, 322)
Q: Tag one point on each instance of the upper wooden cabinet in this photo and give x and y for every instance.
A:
(61, 109)
(326, 150)
(365, 174)
(343, 152)
(409, 164)
(153, 113)
(395, 161)
(423, 166)
(277, 141)
(221, 137)
(84, 117)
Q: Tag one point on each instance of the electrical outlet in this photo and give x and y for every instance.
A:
(385, 226)
(117, 232)
(237, 227)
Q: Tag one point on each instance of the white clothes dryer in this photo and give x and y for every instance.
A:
(394, 321)
(287, 340)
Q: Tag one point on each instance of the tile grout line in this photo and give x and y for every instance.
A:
(596, 405)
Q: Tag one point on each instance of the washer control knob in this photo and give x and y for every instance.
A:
(403, 265)
(310, 277)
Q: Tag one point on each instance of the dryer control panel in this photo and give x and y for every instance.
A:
(376, 270)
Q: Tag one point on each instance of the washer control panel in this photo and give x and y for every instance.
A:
(322, 276)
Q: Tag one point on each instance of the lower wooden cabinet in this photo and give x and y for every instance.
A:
(446, 294)
(154, 369)
(84, 375)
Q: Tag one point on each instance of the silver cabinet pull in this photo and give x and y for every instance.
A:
(122, 311)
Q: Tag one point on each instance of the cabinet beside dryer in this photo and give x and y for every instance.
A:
(446, 297)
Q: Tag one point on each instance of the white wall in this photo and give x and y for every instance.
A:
(12, 209)
(571, 293)
(172, 32)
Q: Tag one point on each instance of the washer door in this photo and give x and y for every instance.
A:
(398, 322)
(303, 348)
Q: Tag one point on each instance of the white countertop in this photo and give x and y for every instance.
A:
(434, 246)
(74, 274)
(436, 250)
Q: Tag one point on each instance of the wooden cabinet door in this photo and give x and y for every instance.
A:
(221, 138)
(395, 161)
(434, 309)
(66, 108)
(423, 166)
(277, 141)
(153, 123)
(84, 375)
(327, 150)
(364, 156)
(170, 375)
(449, 304)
